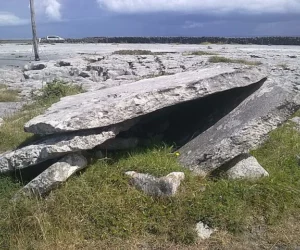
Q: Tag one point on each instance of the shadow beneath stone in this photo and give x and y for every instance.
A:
(180, 123)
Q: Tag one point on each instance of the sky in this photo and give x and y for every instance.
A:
(84, 18)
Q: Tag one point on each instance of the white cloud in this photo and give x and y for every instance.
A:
(202, 6)
(52, 9)
(10, 19)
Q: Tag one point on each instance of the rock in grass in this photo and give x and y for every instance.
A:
(57, 146)
(298, 159)
(248, 168)
(203, 231)
(296, 120)
(159, 187)
(1, 121)
(53, 176)
(120, 103)
(243, 129)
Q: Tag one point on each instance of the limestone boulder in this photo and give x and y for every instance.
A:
(53, 176)
(120, 103)
(159, 187)
(244, 128)
(247, 168)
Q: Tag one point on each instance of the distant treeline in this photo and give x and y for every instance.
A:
(192, 40)
(182, 40)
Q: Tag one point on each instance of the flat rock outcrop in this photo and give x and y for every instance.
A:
(243, 129)
(117, 104)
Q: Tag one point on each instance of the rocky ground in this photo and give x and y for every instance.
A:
(214, 104)
(96, 67)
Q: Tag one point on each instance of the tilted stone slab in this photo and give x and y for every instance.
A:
(243, 129)
(53, 176)
(117, 104)
(57, 146)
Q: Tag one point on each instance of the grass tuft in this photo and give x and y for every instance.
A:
(201, 53)
(12, 131)
(8, 95)
(138, 52)
(221, 59)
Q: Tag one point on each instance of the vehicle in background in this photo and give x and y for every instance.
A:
(54, 39)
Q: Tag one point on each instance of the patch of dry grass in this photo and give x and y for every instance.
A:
(8, 95)
(221, 59)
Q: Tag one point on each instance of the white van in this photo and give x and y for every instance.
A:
(54, 39)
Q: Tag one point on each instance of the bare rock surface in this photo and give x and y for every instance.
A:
(243, 129)
(203, 231)
(57, 146)
(247, 168)
(53, 176)
(116, 104)
(9, 108)
(160, 187)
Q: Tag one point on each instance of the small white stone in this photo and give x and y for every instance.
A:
(296, 120)
(204, 231)
(161, 187)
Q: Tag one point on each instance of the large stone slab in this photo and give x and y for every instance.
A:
(116, 104)
(243, 129)
(53, 176)
(57, 146)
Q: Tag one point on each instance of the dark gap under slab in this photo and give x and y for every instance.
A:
(181, 123)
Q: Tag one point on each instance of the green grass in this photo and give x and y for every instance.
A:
(8, 95)
(221, 59)
(205, 43)
(12, 133)
(98, 209)
(201, 53)
(138, 52)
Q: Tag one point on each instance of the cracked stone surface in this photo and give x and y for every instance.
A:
(117, 104)
(243, 129)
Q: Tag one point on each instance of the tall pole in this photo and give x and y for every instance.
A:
(34, 38)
